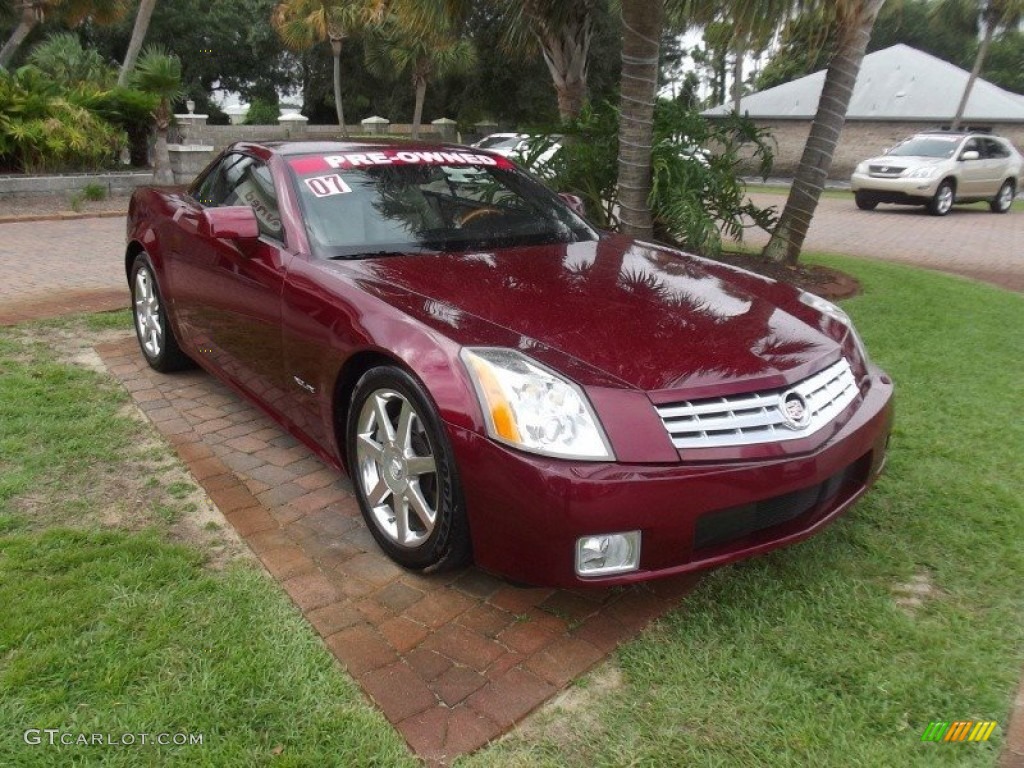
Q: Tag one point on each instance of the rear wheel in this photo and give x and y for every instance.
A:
(942, 202)
(865, 201)
(404, 472)
(1003, 201)
(156, 337)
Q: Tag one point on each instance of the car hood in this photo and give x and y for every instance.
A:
(644, 316)
(908, 161)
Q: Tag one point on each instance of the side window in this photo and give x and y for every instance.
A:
(250, 183)
(996, 148)
(214, 188)
(973, 145)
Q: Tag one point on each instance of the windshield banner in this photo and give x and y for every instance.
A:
(347, 160)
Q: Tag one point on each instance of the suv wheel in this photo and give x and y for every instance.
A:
(1003, 201)
(865, 201)
(941, 204)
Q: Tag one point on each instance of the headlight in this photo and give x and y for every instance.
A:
(830, 309)
(921, 173)
(532, 408)
(861, 169)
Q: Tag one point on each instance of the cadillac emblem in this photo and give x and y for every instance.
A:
(794, 410)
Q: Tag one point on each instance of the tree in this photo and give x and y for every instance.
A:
(72, 12)
(853, 20)
(142, 17)
(158, 73)
(642, 22)
(402, 47)
(992, 15)
(304, 23)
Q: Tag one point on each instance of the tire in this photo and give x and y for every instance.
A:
(156, 336)
(865, 201)
(1003, 200)
(407, 487)
(943, 200)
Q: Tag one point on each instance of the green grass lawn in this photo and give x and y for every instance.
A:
(800, 658)
(116, 632)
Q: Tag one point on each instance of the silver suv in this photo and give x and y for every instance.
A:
(939, 169)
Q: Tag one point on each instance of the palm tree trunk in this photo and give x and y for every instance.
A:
(162, 173)
(336, 52)
(29, 20)
(417, 114)
(979, 62)
(641, 41)
(142, 17)
(566, 53)
(737, 81)
(788, 238)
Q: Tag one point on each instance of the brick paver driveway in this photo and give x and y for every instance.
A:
(50, 268)
(969, 241)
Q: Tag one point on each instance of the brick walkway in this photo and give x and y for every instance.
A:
(973, 243)
(453, 660)
(51, 268)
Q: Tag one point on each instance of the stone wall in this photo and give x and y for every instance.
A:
(861, 139)
(15, 186)
(220, 136)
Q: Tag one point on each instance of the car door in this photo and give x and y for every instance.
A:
(972, 172)
(229, 293)
(996, 163)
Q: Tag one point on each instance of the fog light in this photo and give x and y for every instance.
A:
(608, 553)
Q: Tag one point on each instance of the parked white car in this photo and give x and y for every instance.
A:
(531, 152)
(941, 168)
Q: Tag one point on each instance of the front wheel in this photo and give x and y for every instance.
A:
(156, 337)
(404, 472)
(865, 201)
(943, 199)
(1003, 201)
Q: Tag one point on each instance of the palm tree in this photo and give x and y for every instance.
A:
(992, 15)
(403, 47)
(62, 58)
(854, 20)
(159, 74)
(642, 22)
(142, 17)
(304, 23)
(72, 12)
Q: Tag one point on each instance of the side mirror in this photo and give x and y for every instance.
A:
(970, 154)
(575, 203)
(232, 222)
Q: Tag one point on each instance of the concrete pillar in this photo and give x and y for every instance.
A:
(190, 126)
(376, 125)
(187, 160)
(294, 125)
(447, 127)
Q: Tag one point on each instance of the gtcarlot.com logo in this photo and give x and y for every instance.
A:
(55, 737)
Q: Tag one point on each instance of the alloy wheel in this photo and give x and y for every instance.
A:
(397, 470)
(147, 313)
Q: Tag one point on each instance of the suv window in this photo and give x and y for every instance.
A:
(996, 148)
(973, 145)
(242, 180)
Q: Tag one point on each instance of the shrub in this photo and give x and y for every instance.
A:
(41, 129)
(128, 109)
(62, 59)
(696, 194)
(262, 113)
(94, 192)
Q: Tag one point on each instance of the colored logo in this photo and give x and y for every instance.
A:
(960, 730)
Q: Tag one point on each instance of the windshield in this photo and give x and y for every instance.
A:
(930, 146)
(379, 203)
(499, 142)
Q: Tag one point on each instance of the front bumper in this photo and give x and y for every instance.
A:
(526, 512)
(898, 190)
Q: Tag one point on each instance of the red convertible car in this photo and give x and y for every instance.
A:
(499, 379)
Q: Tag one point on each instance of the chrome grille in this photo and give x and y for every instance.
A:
(885, 171)
(758, 417)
